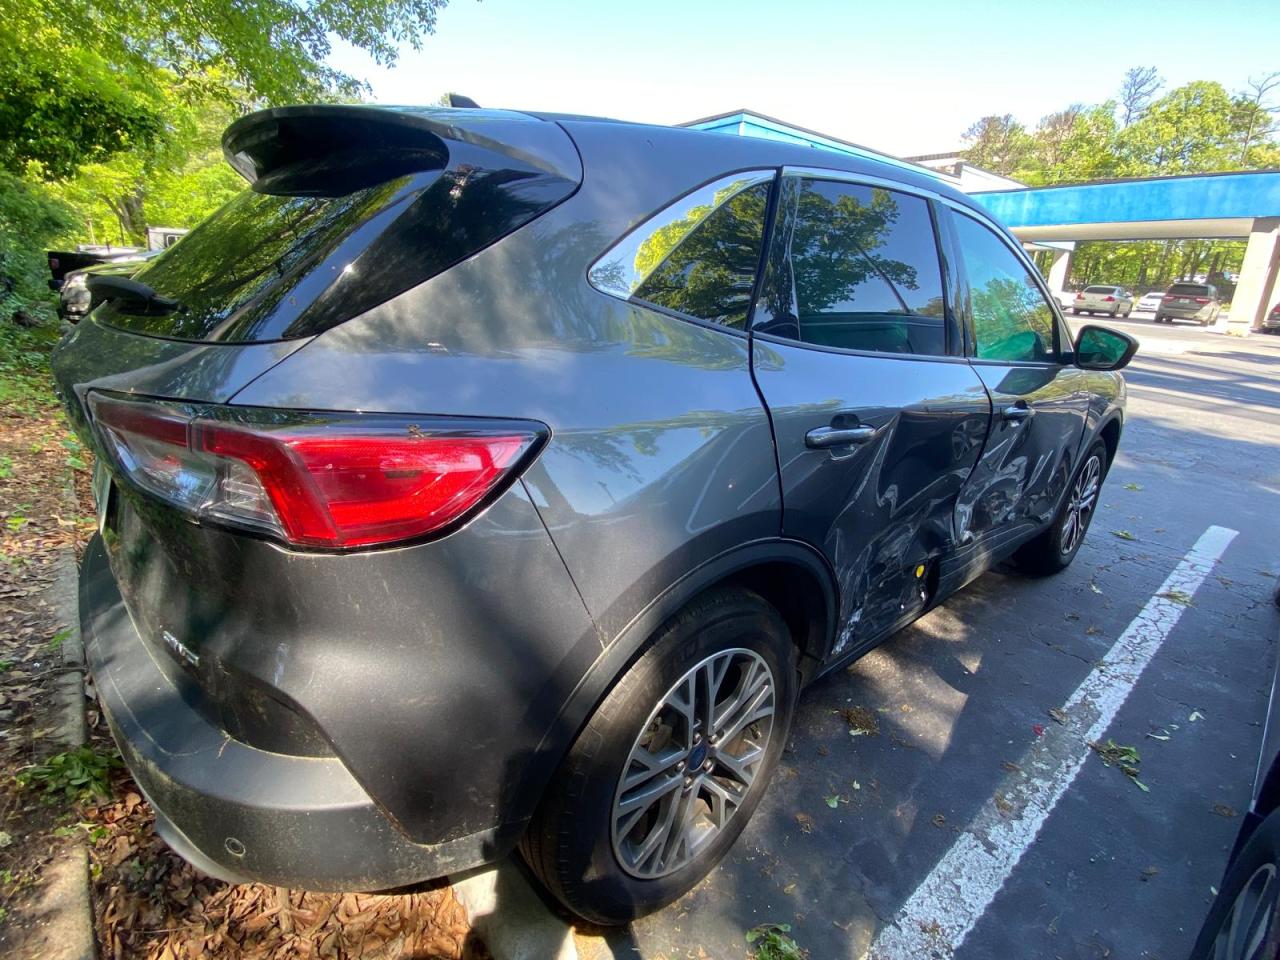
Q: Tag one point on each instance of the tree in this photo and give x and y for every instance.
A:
(1253, 116)
(997, 143)
(274, 48)
(1137, 90)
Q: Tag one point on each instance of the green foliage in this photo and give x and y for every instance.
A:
(60, 112)
(772, 941)
(30, 216)
(1199, 127)
(25, 383)
(273, 48)
(78, 775)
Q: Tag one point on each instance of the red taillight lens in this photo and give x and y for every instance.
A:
(1108, 299)
(1168, 299)
(335, 481)
(1079, 296)
(1202, 299)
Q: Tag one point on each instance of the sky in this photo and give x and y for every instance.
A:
(906, 77)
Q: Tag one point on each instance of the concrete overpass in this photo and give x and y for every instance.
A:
(1236, 206)
(1228, 206)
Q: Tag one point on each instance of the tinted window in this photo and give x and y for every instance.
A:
(1011, 318)
(864, 271)
(269, 266)
(707, 271)
(1190, 289)
(1101, 289)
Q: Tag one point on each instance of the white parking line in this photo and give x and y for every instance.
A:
(953, 897)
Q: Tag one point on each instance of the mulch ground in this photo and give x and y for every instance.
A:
(148, 902)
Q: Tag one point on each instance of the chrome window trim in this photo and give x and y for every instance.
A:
(610, 274)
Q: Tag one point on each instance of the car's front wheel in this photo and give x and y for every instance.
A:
(671, 765)
(1054, 548)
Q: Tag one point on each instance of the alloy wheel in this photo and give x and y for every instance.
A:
(1244, 931)
(693, 763)
(1084, 497)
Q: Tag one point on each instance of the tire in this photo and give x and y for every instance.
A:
(571, 845)
(1053, 549)
(1075, 311)
(1114, 311)
(1250, 891)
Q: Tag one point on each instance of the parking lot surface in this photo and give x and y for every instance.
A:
(957, 811)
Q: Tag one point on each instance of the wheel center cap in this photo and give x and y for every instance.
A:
(697, 756)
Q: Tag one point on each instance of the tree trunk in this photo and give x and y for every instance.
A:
(129, 211)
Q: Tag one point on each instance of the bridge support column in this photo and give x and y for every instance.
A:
(1058, 270)
(1257, 278)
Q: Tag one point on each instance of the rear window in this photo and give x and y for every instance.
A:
(1190, 289)
(272, 267)
(1100, 289)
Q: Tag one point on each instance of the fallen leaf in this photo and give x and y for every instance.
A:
(1123, 534)
(833, 801)
(1038, 728)
(805, 821)
(1195, 715)
(1059, 715)
(1222, 810)
(1133, 486)
(1178, 596)
(939, 820)
(1149, 872)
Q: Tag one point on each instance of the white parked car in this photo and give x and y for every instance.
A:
(1113, 301)
(1150, 302)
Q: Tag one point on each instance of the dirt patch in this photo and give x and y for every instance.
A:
(149, 903)
(36, 528)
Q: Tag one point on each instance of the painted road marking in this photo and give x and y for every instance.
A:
(953, 897)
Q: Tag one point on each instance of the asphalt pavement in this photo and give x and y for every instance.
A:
(974, 822)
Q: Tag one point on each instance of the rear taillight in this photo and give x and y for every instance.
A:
(1108, 299)
(1168, 299)
(1079, 296)
(1202, 299)
(327, 480)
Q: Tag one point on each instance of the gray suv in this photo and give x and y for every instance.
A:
(481, 479)
(1190, 301)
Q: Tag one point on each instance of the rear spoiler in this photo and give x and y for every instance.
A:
(314, 149)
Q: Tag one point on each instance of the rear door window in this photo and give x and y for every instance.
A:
(863, 272)
(1012, 320)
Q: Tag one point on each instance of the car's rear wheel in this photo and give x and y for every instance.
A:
(671, 765)
(1076, 311)
(1244, 921)
(1053, 549)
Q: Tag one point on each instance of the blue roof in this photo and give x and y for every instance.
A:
(746, 123)
(1192, 197)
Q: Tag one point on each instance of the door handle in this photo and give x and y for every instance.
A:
(822, 437)
(1017, 413)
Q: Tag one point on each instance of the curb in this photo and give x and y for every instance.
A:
(66, 911)
(510, 917)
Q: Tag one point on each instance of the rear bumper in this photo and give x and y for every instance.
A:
(235, 812)
(1181, 312)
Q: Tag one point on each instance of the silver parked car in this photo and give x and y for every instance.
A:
(1190, 301)
(1113, 301)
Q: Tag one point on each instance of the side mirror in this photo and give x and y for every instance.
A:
(1100, 348)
